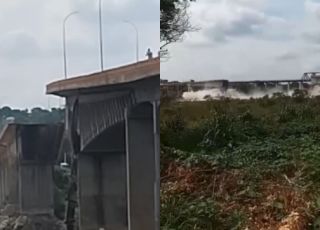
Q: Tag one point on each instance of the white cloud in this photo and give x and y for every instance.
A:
(259, 44)
(19, 45)
(311, 33)
(223, 20)
(312, 7)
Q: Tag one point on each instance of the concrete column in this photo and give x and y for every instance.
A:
(5, 184)
(114, 191)
(36, 188)
(13, 184)
(156, 120)
(189, 88)
(141, 135)
(1, 186)
(102, 182)
(88, 192)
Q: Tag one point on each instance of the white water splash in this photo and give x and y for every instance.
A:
(217, 94)
(315, 91)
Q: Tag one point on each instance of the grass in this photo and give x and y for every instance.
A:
(240, 164)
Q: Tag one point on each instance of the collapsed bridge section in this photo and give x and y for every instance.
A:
(27, 155)
(176, 89)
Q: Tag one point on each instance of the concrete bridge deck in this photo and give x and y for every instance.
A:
(112, 124)
(117, 76)
(273, 81)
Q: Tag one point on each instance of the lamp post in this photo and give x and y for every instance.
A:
(65, 62)
(101, 35)
(64, 42)
(137, 37)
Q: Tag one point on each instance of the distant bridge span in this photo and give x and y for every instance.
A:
(176, 89)
(272, 81)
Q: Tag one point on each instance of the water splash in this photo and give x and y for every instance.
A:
(217, 94)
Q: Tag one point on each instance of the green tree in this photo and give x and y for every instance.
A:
(35, 115)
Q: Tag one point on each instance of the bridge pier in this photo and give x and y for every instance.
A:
(27, 157)
(102, 199)
(189, 87)
(142, 146)
(112, 193)
(114, 128)
(102, 182)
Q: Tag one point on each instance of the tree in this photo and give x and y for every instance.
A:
(36, 115)
(174, 21)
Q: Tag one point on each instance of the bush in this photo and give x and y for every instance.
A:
(61, 185)
(299, 95)
(264, 140)
(186, 213)
(220, 131)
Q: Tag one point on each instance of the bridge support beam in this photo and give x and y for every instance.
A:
(119, 174)
(142, 139)
(9, 183)
(114, 131)
(26, 166)
(102, 183)
(36, 188)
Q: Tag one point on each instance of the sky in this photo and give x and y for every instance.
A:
(31, 43)
(247, 40)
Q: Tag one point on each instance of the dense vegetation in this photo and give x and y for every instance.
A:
(241, 164)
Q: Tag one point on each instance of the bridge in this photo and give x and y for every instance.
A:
(176, 89)
(112, 126)
(27, 155)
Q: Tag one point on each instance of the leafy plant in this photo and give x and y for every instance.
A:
(259, 140)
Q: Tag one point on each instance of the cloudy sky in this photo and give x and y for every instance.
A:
(31, 42)
(248, 39)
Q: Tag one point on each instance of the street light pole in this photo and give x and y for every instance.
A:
(64, 42)
(101, 35)
(65, 63)
(137, 37)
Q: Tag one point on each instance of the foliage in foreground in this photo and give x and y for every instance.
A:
(269, 140)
